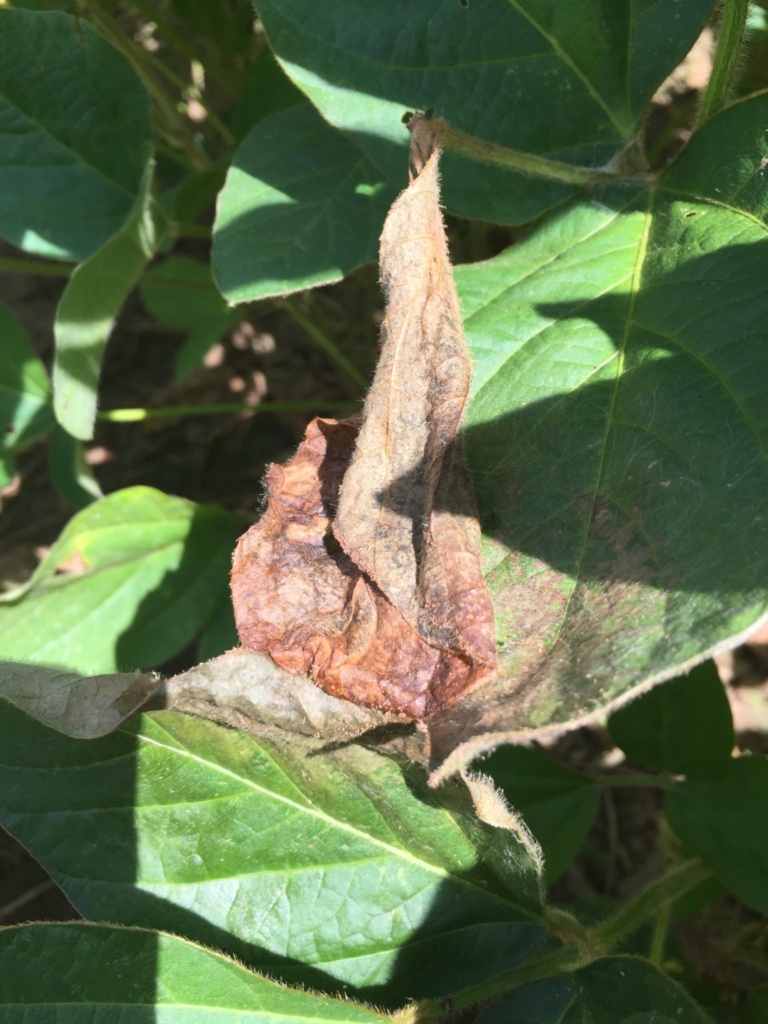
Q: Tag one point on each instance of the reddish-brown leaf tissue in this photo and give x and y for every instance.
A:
(365, 569)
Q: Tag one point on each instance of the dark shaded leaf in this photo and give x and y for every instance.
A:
(558, 805)
(683, 727)
(725, 822)
(74, 135)
(536, 77)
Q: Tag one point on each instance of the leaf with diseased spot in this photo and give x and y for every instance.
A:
(80, 706)
(365, 569)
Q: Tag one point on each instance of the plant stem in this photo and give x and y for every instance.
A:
(138, 415)
(166, 109)
(597, 942)
(675, 883)
(535, 968)
(178, 83)
(733, 20)
(186, 46)
(192, 231)
(37, 267)
(630, 781)
(527, 163)
(659, 936)
(325, 343)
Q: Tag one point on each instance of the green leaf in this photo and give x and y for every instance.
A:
(64, 973)
(683, 727)
(302, 206)
(618, 438)
(319, 867)
(220, 633)
(180, 293)
(127, 584)
(228, 27)
(74, 135)
(535, 77)
(195, 194)
(89, 306)
(725, 822)
(267, 90)
(614, 990)
(558, 805)
(25, 394)
(71, 475)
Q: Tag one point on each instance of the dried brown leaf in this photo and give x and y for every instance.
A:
(251, 693)
(374, 586)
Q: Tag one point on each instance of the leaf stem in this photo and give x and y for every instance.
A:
(733, 19)
(325, 343)
(659, 936)
(36, 267)
(630, 781)
(186, 46)
(679, 880)
(138, 415)
(526, 163)
(595, 943)
(192, 231)
(174, 126)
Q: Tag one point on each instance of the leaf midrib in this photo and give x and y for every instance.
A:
(335, 823)
(575, 70)
(596, 491)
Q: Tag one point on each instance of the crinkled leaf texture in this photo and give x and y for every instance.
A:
(618, 436)
(357, 572)
(99, 972)
(327, 867)
(536, 77)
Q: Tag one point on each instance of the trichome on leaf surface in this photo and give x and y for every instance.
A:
(364, 570)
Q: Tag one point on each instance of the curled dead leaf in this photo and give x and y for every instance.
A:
(365, 569)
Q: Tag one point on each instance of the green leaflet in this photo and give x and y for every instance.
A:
(93, 297)
(301, 206)
(618, 436)
(655, 730)
(614, 990)
(25, 394)
(319, 867)
(180, 292)
(128, 583)
(529, 75)
(74, 135)
(69, 971)
(723, 820)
